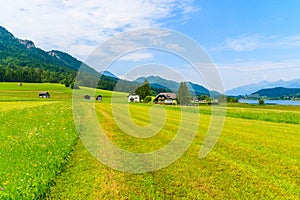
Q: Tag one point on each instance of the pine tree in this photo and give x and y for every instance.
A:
(143, 90)
(183, 94)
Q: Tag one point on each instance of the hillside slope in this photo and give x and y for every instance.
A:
(278, 92)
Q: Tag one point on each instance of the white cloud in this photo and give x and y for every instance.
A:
(243, 43)
(70, 24)
(257, 41)
(136, 56)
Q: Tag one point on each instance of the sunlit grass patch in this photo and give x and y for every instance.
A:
(252, 159)
(30, 91)
(35, 143)
(7, 106)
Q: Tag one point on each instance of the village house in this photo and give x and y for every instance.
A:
(44, 95)
(99, 98)
(165, 98)
(133, 98)
(87, 97)
(195, 100)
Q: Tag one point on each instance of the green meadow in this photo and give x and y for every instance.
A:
(41, 156)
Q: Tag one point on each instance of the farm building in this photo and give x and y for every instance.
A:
(165, 98)
(195, 100)
(133, 98)
(87, 97)
(99, 98)
(44, 95)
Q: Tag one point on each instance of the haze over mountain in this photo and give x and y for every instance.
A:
(251, 88)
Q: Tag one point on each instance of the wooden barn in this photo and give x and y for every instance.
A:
(44, 95)
(165, 98)
(99, 98)
(87, 97)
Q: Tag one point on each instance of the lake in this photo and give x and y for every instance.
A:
(278, 102)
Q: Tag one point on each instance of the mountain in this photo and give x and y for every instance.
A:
(198, 89)
(251, 88)
(109, 74)
(24, 53)
(21, 60)
(159, 82)
(169, 85)
(278, 92)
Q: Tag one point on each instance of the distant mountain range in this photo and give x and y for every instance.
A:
(252, 88)
(278, 92)
(159, 82)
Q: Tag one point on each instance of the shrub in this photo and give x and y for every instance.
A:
(261, 102)
(147, 99)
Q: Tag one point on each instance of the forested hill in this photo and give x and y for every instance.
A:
(20, 60)
(278, 92)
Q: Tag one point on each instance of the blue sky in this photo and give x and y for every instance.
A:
(249, 41)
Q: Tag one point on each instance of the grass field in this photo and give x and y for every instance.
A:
(256, 157)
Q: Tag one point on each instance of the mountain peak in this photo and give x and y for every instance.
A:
(28, 44)
(108, 73)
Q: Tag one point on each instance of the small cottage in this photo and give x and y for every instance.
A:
(165, 98)
(133, 98)
(87, 97)
(44, 95)
(195, 100)
(99, 98)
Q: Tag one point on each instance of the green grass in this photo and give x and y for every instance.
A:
(252, 159)
(285, 114)
(7, 106)
(35, 143)
(256, 157)
(30, 92)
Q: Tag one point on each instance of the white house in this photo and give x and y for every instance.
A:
(133, 98)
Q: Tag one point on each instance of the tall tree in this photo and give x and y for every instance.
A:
(143, 90)
(183, 94)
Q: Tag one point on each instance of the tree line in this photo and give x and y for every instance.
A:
(12, 73)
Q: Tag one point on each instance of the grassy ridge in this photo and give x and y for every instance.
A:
(252, 159)
(35, 143)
